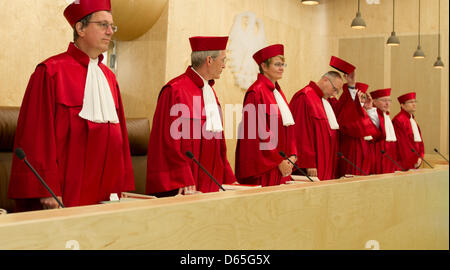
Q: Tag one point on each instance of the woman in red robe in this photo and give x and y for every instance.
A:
(266, 127)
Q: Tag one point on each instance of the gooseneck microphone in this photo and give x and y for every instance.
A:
(417, 154)
(21, 155)
(435, 150)
(396, 164)
(303, 172)
(351, 163)
(191, 156)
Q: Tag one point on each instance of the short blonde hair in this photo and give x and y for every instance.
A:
(269, 61)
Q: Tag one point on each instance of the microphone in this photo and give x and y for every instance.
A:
(349, 162)
(396, 164)
(417, 154)
(191, 156)
(435, 150)
(21, 155)
(296, 167)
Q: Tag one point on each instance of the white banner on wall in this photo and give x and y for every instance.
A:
(246, 37)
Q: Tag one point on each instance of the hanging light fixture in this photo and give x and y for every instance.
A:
(393, 39)
(439, 64)
(310, 2)
(418, 54)
(358, 22)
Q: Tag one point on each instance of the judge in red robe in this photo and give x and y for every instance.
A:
(408, 133)
(267, 125)
(188, 118)
(356, 130)
(78, 146)
(316, 127)
(387, 140)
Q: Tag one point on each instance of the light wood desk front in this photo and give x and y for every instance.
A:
(405, 210)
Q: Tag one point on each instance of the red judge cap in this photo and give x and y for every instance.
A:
(341, 65)
(208, 43)
(362, 87)
(268, 52)
(380, 93)
(81, 8)
(406, 97)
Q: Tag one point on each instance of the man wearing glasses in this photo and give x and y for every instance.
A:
(387, 140)
(71, 123)
(408, 133)
(316, 128)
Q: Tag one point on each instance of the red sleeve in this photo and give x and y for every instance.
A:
(421, 144)
(128, 181)
(167, 166)
(352, 118)
(406, 157)
(35, 134)
(228, 177)
(255, 156)
(292, 144)
(304, 132)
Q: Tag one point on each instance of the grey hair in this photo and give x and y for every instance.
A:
(84, 22)
(332, 74)
(198, 58)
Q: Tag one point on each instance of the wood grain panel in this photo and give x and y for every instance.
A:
(418, 75)
(406, 210)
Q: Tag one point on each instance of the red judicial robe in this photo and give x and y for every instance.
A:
(381, 163)
(354, 125)
(254, 164)
(317, 143)
(405, 139)
(82, 161)
(333, 102)
(168, 168)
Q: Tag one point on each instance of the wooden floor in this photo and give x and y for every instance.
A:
(405, 210)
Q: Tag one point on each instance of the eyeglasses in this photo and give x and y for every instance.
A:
(385, 99)
(224, 60)
(105, 26)
(334, 88)
(279, 64)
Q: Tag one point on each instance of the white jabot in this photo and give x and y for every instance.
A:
(373, 115)
(353, 92)
(213, 120)
(330, 114)
(415, 130)
(389, 128)
(368, 138)
(98, 102)
(286, 115)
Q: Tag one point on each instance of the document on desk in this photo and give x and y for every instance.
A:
(128, 197)
(302, 178)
